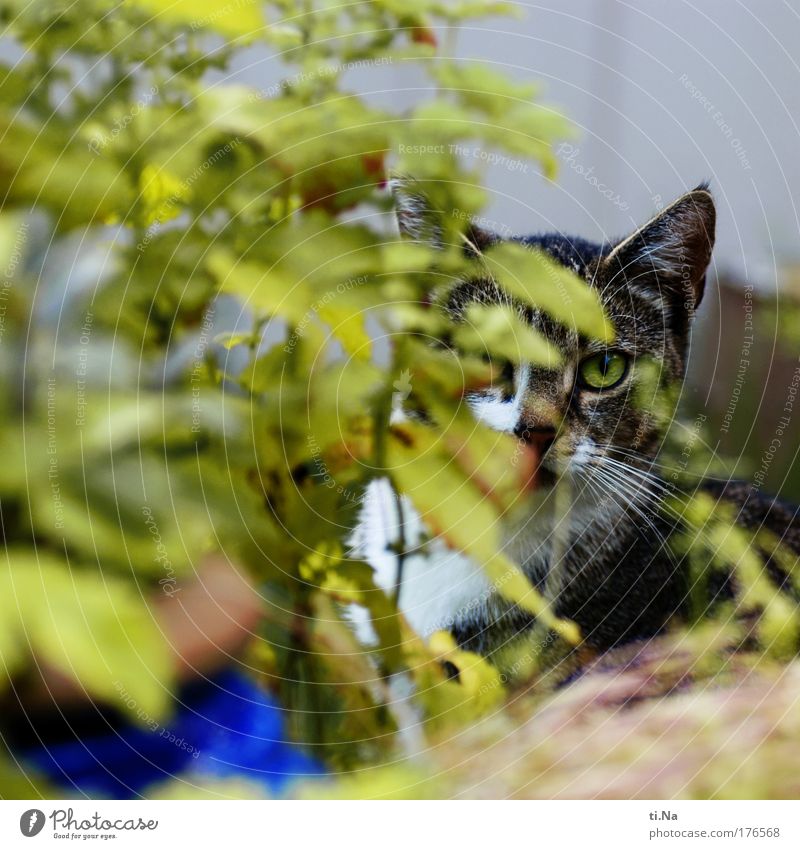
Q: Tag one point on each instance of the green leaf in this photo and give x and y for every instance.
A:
(534, 278)
(479, 86)
(347, 325)
(514, 586)
(269, 291)
(454, 508)
(233, 340)
(447, 501)
(501, 332)
(39, 166)
(94, 629)
(232, 19)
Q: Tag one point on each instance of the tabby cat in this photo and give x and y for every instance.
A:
(617, 576)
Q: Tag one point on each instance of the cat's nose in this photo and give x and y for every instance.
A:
(540, 437)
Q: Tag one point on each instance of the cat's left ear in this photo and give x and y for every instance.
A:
(416, 217)
(670, 254)
(419, 220)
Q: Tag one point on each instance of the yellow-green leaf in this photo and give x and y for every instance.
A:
(232, 19)
(501, 332)
(348, 327)
(536, 279)
(94, 629)
(262, 289)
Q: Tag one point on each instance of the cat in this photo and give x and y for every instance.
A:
(616, 574)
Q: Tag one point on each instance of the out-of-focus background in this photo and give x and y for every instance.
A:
(664, 96)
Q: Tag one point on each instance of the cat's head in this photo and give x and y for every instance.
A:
(602, 407)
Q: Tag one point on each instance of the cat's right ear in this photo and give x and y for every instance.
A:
(669, 255)
(418, 220)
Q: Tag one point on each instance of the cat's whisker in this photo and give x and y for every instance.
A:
(602, 459)
(635, 509)
(654, 462)
(631, 491)
(658, 501)
(651, 477)
(627, 468)
(636, 486)
(627, 452)
(650, 462)
(671, 511)
(597, 493)
(650, 489)
(641, 474)
(608, 479)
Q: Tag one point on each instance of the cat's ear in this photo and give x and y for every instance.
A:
(416, 218)
(419, 220)
(670, 254)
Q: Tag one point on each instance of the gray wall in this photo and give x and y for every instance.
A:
(664, 94)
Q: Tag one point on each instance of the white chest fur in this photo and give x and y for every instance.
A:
(440, 587)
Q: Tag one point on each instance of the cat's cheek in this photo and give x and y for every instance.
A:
(583, 453)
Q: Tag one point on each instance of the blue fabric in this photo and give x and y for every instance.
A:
(223, 728)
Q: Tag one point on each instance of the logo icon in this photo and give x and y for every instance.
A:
(31, 822)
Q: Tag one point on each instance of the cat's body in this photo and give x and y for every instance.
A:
(605, 563)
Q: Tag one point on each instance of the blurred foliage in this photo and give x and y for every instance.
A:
(687, 716)
(137, 193)
(143, 196)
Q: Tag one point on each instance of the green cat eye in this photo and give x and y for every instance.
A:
(603, 370)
